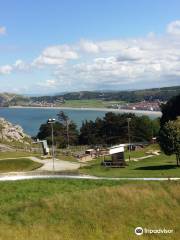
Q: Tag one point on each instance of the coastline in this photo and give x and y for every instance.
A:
(143, 112)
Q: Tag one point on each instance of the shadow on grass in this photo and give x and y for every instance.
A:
(160, 167)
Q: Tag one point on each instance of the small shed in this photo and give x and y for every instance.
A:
(116, 154)
(90, 151)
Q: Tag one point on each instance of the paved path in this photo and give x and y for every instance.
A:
(59, 165)
(154, 153)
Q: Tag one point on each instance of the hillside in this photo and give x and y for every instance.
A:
(154, 94)
(10, 99)
(12, 135)
(91, 210)
(162, 94)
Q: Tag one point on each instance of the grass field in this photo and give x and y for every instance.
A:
(91, 103)
(83, 209)
(17, 154)
(157, 166)
(15, 165)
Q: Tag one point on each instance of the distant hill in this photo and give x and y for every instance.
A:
(162, 94)
(10, 99)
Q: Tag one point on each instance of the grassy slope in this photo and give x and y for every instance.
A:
(13, 165)
(78, 210)
(91, 103)
(16, 154)
(157, 166)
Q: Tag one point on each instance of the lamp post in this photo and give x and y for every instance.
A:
(129, 139)
(51, 121)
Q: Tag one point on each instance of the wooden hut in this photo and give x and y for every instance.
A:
(116, 154)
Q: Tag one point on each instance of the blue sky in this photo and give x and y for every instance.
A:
(55, 46)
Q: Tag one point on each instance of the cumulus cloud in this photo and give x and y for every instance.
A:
(56, 55)
(110, 64)
(2, 30)
(20, 65)
(88, 46)
(174, 27)
(130, 61)
(6, 69)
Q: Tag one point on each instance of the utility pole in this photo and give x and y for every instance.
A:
(129, 138)
(52, 121)
(67, 130)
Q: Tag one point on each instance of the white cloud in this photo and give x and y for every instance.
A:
(111, 63)
(50, 83)
(174, 27)
(2, 30)
(6, 69)
(21, 65)
(56, 55)
(88, 46)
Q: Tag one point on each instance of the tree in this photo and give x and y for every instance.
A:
(113, 129)
(45, 134)
(141, 129)
(170, 138)
(170, 110)
(88, 133)
(60, 133)
(70, 128)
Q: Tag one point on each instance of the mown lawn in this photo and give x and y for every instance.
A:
(90, 103)
(17, 154)
(15, 165)
(85, 209)
(157, 166)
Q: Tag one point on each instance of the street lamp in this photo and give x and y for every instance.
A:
(129, 139)
(52, 121)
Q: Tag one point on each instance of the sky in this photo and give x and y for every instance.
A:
(58, 46)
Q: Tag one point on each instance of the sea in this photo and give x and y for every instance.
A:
(30, 119)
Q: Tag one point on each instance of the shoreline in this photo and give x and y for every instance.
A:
(143, 112)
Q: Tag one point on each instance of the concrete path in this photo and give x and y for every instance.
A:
(154, 153)
(59, 165)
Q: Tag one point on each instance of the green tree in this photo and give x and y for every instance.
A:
(170, 110)
(141, 129)
(60, 133)
(170, 138)
(70, 128)
(45, 134)
(88, 133)
(113, 129)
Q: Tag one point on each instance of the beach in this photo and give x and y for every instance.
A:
(142, 112)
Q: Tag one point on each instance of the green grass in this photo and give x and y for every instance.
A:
(17, 154)
(157, 166)
(66, 157)
(91, 103)
(84, 209)
(15, 165)
(143, 152)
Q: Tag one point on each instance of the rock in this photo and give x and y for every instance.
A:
(10, 132)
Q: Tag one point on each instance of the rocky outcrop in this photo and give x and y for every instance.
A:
(10, 99)
(10, 132)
